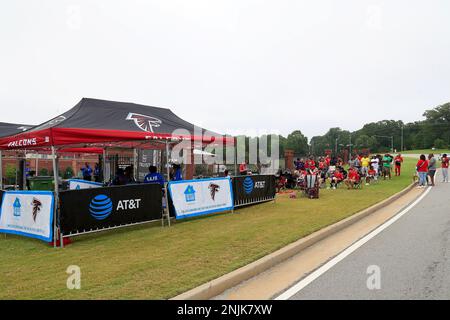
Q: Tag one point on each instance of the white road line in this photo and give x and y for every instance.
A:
(330, 264)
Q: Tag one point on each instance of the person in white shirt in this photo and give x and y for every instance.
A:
(375, 165)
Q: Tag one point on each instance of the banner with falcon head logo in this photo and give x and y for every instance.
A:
(28, 213)
(203, 196)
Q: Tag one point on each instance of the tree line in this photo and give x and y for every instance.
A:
(380, 136)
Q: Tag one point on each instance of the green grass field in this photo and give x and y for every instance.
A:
(151, 262)
(426, 151)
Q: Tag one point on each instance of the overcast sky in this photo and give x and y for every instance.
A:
(238, 66)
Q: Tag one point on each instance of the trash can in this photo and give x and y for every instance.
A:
(44, 183)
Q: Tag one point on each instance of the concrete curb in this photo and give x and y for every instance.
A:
(217, 286)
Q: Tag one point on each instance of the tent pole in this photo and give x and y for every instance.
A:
(55, 213)
(15, 182)
(167, 184)
(135, 163)
(1, 170)
(235, 158)
(104, 164)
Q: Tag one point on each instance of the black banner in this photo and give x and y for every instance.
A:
(253, 189)
(101, 208)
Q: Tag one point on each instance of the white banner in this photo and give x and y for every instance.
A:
(196, 197)
(75, 184)
(28, 213)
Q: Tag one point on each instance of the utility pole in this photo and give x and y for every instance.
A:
(401, 147)
(335, 146)
(392, 144)
(350, 146)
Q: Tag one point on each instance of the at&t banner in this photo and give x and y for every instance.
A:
(95, 209)
(253, 189)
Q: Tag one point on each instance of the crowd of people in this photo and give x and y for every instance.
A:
(426, 169)
(362, 169)
(125, 176)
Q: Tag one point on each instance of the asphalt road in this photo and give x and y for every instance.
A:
(411, 255)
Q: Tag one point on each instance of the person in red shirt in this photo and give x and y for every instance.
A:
(444, 167)
(371, 175)
(398, 160)
(243, 169)
(352, 178)
(422, 170)
(310, 164)
(328, 160)
(336, 179)
(321, 164)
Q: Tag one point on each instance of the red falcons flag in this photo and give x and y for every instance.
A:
(145, 123)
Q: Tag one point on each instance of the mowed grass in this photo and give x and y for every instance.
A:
(426, 151)
(151, 262)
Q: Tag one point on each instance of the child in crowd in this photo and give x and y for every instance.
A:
(371, 175)
(375, 163)
(336, 178)
(353, 178)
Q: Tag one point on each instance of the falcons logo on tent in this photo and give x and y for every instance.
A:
(145, 123)
(37, 204)
(213, 188)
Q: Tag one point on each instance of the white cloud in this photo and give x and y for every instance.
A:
(252, 65)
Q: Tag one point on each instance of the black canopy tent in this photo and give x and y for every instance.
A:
(99, 121)
(8, 129)
(95, 123)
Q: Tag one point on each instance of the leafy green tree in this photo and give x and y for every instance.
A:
(10, 173)
(297, 142)
(365, 142)
(436, 125)
(68, 173)
(439, 144)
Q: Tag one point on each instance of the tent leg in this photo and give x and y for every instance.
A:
(17, 172)
(135, 163)
(235, 158)
(55, 213)
(104, 165)
(166, 195)
(1, 170)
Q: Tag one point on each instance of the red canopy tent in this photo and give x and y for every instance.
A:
(93, 125)
(96, 121)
